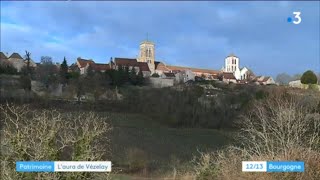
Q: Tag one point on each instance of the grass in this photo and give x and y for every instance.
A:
(164, 148)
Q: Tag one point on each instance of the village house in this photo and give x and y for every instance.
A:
(263, 80)
(15, 60)
(84, 64)
(132, 63)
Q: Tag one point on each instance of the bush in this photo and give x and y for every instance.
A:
(137, 159)
(280, 127)
(45, 135)
(7, 69)
(309, 78)
(155, 75)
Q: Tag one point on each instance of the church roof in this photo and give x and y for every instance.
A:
(126, 61)
(143, 66)
(15, 55)
(147, 42)
(232, 55)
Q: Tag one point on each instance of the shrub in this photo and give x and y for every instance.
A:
(309, 78)
(155, 75)
(280, 127)
(137, 159)
(44, 135)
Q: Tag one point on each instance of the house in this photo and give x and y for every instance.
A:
(32, 63)
(228, 77)
(264, 80)
(17, 61)
(132, 63)
(4, 60)
(168, 75)
(84, 64)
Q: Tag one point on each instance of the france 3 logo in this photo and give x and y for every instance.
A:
(296, 19)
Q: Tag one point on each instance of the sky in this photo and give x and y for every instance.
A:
(195, 34)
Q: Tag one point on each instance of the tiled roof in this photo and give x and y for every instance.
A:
(169, 74)
(143, 66)
(3, 56)
(125, 61)
(16, 56)
(228, 75)
(161, 66)
(232, 55)
(100, 67)
(84, 62)
(198, 70)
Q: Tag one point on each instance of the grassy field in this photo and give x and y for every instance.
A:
(153, 149)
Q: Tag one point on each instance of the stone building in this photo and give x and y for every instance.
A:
(232, 65)
(147, 55)
(17, 61)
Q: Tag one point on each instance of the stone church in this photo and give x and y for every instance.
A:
(232, 65)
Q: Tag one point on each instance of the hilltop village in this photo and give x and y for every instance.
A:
(159, 73)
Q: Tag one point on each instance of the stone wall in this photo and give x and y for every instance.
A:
(161, 82)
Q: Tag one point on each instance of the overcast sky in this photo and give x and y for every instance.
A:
(198, 34)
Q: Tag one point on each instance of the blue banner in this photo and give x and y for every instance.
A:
(35, 166)
(285, 166)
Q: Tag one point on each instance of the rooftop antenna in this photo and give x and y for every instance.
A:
(147, 36)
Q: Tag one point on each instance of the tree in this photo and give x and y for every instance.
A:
(140, 78)
(30, 134)
(283, 78)
(133, 76)
(155, 75)
(46, 60)
(126, 74)
(7, 69)
(64, 71)
(28, 54)
(47, 71)
(309, 77)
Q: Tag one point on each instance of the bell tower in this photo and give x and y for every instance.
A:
(147, 54)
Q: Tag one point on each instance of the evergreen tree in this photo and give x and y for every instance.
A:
(155, 75)
(28, 54)
(126, 74)
(64, 71)
(119, 76)
(140, 78)
(133, 76)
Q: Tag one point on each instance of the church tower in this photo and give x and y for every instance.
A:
(147, 54)
(231, 63)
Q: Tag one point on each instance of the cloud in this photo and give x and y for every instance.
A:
(186, 33)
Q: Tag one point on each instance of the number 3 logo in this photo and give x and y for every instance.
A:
(298, 18)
